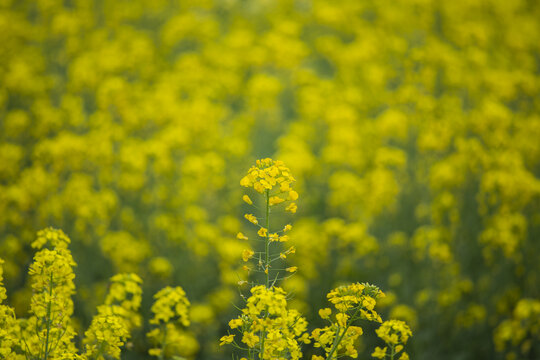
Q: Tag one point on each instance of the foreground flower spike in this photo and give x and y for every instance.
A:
(352, 303)
(170, 310)
(111, 326)
(274, 181)
(395, 334)
(268, 329)
(48, 332)
(106, 335)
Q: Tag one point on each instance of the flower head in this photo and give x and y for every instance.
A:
(268, 174)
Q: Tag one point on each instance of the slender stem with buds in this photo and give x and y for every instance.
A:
(267, 242)
(48, 319)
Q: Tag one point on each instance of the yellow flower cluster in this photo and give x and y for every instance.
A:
(171, 313)
(125, 292)
(115, 319)
(105, 336)
(395, 333)
(52, 237)
(9, 333)
(49, 331)
(268, 328)
(337, 339)
(52, 276)
(9, 328)
(170, 305)
(273, 178)
(352, 302)
(360, 298)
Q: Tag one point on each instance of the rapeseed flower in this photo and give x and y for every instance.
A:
(273, 180)
(395, 333)
(171, 314)
(266, 319)
(51, 305)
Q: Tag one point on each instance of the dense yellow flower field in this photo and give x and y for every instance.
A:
(406, 140)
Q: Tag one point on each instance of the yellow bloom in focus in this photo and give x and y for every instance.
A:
(250, 339)
(291, 269)
(325, 313)
(342, 319)
(227, 339)
(247, 199)
(404, 356)
(234, 323)
(287, 227)
(262, 232)
(379, 353)
(247, 254)
(266, 174)
(273, 237)
(274, 200)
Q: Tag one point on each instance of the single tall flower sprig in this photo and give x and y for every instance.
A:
(273, 180)
(48, 332)
(395, 334)
(353, 302)
(269, 329)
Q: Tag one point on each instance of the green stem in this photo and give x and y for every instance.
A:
(267, 262)
(99, 351)
(163, 341)
(48, 319)
(267, 250)
(338, 339)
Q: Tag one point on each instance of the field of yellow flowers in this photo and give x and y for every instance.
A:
(400, 215)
